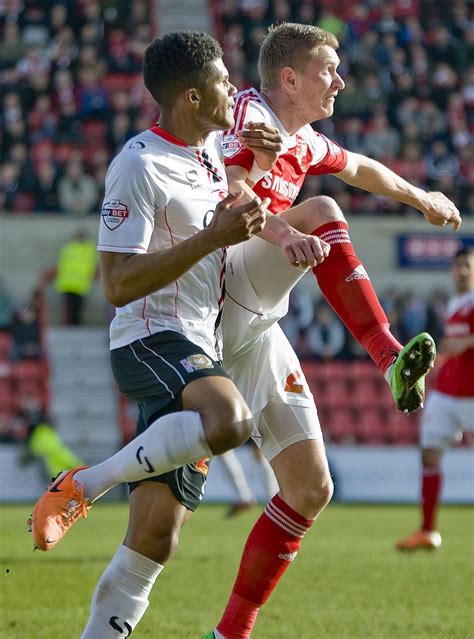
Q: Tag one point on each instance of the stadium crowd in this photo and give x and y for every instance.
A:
(71, 92)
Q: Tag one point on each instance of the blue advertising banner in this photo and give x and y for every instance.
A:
(430, 250)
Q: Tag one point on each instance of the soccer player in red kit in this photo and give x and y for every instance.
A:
(450, 405)
(298, 68)
(292, 96)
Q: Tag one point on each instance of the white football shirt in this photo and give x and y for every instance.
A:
(158, 192)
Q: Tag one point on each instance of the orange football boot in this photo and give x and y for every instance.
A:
(420, 540)
(58, 509)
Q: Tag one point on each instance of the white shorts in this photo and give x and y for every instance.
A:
(444, 419)
(258, 282)
(257, 354)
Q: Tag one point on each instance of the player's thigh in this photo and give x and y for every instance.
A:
(166, 369)
(280, 425)
(216, 399)
(259, 277)
(443, 420)
(155, 521)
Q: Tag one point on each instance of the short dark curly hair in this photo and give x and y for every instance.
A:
(176, 62)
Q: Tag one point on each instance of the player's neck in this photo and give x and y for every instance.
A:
(288, 113)
(183, 128)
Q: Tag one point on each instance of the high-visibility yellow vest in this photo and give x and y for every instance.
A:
(76, 267)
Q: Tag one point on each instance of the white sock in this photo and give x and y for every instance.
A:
(388, 372)
(121, 595)
(236, 475)
(172, 441)
(217, 635)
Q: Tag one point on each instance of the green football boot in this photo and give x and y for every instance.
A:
(210, 635)
(407, 376)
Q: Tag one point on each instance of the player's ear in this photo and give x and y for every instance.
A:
(288, 78)
(193, 97)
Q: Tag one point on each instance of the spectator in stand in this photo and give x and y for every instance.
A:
(12, 46)
(9, 185)
(77, 191)
(74, 274)
(46, 195)
(19, 155)
(325, 337)
(92, 95)
(382, 140)
(6, 307)
(440, 161)
(414, 314)
(26, 332)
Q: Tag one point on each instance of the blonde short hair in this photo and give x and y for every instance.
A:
(290, 45)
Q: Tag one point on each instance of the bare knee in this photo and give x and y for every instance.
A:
(313, 213)
(320, 494)
(325, 210)
(228, 429)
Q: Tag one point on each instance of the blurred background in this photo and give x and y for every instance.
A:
(71, 94)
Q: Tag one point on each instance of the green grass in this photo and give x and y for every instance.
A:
(347, 582)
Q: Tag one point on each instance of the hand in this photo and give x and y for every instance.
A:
(439, 210)
(264, 141)
(233, 224)
(304, 250)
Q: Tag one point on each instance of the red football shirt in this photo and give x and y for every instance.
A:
(306, 152)
(456, 376)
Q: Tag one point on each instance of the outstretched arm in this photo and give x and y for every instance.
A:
(372, 176)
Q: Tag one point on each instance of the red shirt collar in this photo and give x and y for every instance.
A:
(167, 136)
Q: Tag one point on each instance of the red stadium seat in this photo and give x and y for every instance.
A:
(402, 429)
(120, 81)
(366, 394)
(6, 344)
(370, 428)
(340, 426)
(29, 370)
(94, 131)
(7, 396)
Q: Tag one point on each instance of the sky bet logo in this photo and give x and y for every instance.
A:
(114, 214)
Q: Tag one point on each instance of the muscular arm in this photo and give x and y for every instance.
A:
(372, 176)
(127, 277)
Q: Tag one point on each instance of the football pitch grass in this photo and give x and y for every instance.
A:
(347, 581)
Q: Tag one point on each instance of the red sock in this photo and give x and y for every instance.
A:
(430, 492)
(345, 284)
(271, 546)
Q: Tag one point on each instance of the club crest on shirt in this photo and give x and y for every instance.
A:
(114, 214)
(231, 145)
(196, 362)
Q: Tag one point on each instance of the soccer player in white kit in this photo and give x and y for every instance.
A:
(450, 405)
(165, 224)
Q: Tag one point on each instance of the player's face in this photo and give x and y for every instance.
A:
(319, 84)
(463, 273)
(217, 104)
